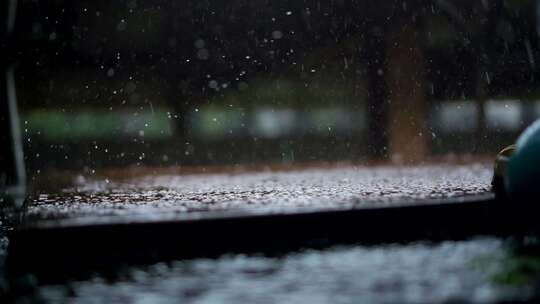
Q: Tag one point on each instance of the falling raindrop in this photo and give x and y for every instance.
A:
(277, 35)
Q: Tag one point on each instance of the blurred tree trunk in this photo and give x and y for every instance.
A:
(12, 172)
(374, 55)
(407, 117)
(481, 98)
(484, 54)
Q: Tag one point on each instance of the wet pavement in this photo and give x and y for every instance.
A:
(420, 272)
(448, 272)
(266, 191)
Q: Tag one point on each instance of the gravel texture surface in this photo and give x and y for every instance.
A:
(265, 191)
(447, 272)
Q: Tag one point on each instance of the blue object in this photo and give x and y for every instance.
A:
(523, 173)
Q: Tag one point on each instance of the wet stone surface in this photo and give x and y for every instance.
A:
(448, 272)
(262, 191)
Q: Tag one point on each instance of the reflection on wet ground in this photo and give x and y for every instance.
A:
(469, 270)
(263, 191)
(415, 273)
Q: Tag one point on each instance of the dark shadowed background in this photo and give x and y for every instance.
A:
(160, 82)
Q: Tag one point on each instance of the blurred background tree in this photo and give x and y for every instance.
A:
(229, 82)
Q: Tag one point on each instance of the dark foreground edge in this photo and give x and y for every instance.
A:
(55, 251)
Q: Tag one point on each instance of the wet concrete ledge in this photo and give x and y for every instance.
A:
(101, 224)
(61, 251)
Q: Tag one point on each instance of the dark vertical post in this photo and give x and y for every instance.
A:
(12, 172)
(407, 128)
(483, 64)
(374, 53)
